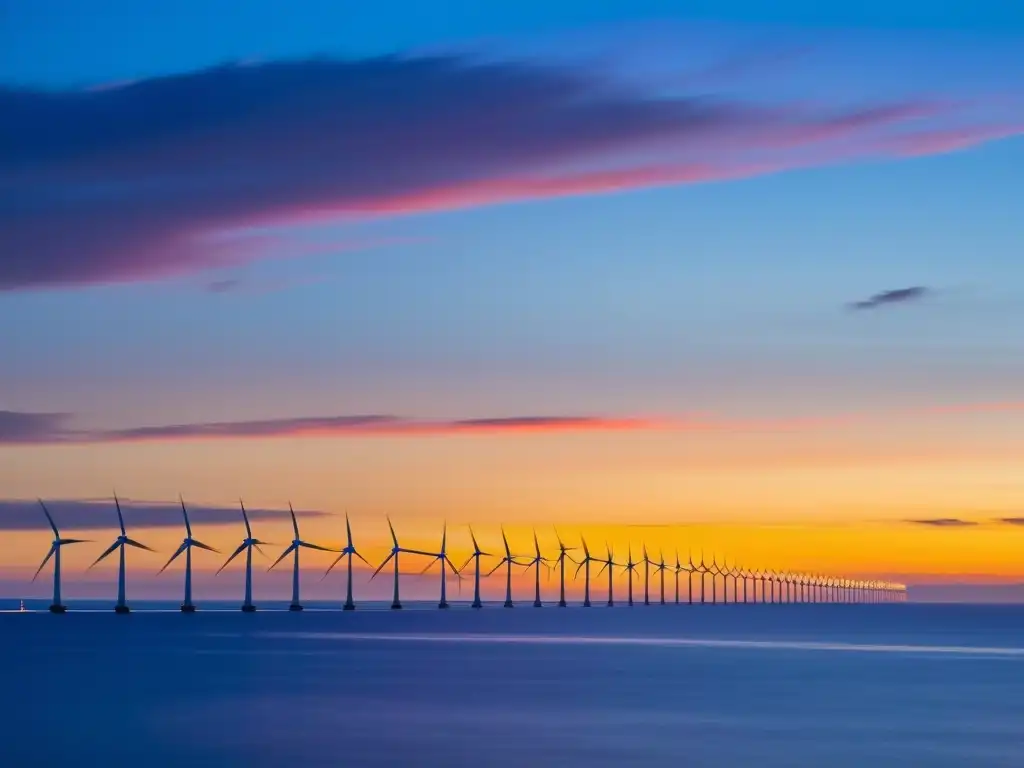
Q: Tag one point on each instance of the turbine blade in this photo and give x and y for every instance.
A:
(56, 533)
(381, 566)
(417, 552)
(444, 537)
(182, 548)
(184, 512)
(604, 567)
(392, 529)
(361, 557)
(536, 544)
(138, 545)
(197, 543)
(330, 568)
(236, 553)
(245, 518)
(256, 546)
(307, 545)
(476, 547)
(120, 517)
(451, 565)
(508, 552)
(501, 563)
(429, 566)
(108, 550)
(468, 561)
(578, 569)
(53, 548)
(291, 548)
(295, 523)
(348, 531)
(62, 542)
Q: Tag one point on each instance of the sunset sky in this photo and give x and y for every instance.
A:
(746, 281)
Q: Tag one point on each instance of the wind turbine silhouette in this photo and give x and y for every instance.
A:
(610, 565)
(647, 576)
(120, 543)
(186, 547)
(293, 549)
(585, 564)
(659, 567)
(477, 554)
(348, 552)
(630, 569)
(508, 561)
(446, 562)
(715, 572)
(396, 603)
(537, 562)
(690, 570)
(703, 570)
(562, 557)
(247, 546)
(58, 542)
(678, 569)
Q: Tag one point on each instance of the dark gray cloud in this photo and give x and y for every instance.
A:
(140, 181)
(50, 428)
(92, 514)
(943, 522)
(889, 298)
(1011, 520)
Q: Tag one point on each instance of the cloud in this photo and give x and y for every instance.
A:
(18, 427)
(889, 298)
(91, 514)
(1011, 520)
(140, 181)
(943, 522)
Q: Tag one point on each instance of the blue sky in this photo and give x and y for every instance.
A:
(474, 210)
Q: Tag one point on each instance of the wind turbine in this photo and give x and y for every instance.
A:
(585, 564)
(446, 562)
(562, 557)
(610, 565)
(348, 552)
(678, 569)
(537, 561)
(703, 570)
(647, 576)
(630, 568)
(659, 567)
(396, 604)
(186, 547)
(477, 554)
(714, 570)
(58, 542)
(508, 561)
(247, 546)
(120, 543)
(690, 570)
(293, 549)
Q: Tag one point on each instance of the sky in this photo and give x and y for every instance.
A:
(745, 280)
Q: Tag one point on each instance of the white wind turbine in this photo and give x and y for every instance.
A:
(293, 549)
(248, 545)
(58, 542)
(396, 603)
(120, 543)
(348, 552)
(186, 547)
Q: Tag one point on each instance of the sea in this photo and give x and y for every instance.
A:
(821, 686)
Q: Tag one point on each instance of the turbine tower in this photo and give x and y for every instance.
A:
(661, 569)
(186, 547)
(508, 561)
(57, 606)
(120, 543)
(247, 546)
(396, 603)
(630, 569)
(585, 564)
(348, 552)
(678, 569)
(446, 562)
(293, 549)
(610, 565)
(477, 554)
(690, 570)
(562, 557)
(537, 562)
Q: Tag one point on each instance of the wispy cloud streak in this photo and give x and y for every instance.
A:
(943, 522)
(892, 297)
(137, 182)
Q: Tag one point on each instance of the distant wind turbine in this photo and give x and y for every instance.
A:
(446, 563)
(120, 543)
(248, 545)
(293, 549)
(678, 568)
(563, 555)
(647, 576)
(630, 569)
(585, 564)
(186, 547)
(610, 565)
(508, 561)
(660, 567)
(57, 606)
(349, 551)
(396, 603)
(537, 561)
(477, 554)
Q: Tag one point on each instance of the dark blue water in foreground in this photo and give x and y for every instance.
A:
(765, 686)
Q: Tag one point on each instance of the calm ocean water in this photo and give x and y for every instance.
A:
(836, 686)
